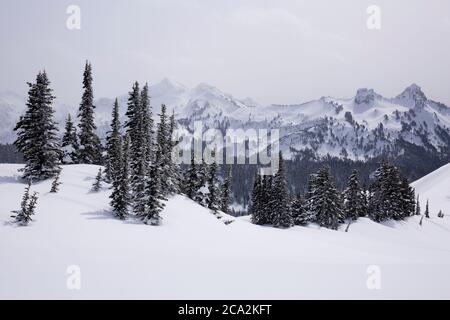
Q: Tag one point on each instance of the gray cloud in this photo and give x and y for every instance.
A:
(274, 51)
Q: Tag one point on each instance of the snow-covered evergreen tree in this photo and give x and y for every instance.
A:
(201, 188)
(138, 163)
(256, 202)
(267, 186)
(154, 195)
(90, 150)
(70, 146)
(427, 211)
(440, 214)
(354, 204)
(191, 179)
(391, 197)
(309, 197)
(163, 157)
(114, 146)
(418, 210)
(407, 198)
(147, 125)
(300, 215)
(37, 132)
(173, 169)
(98, 181)
(27, 207)
(279, 199)
(55, 184)
(326, 200)
(226, 191)
(120, 196)
(213, 196)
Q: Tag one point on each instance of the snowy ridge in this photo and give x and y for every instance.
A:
(193, 255)
(361, 127)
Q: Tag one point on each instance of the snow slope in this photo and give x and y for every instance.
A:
(193, 255)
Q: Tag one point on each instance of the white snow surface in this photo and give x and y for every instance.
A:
(194, 255)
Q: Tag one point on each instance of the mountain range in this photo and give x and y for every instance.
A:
(361, 127)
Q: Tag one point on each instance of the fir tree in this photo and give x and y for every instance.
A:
(37, 132)
(309, 197)
(440, 214)
(390, 196)
(427, 211)
(114, 147)
(407, 198)
(418, 210)
(267, 187)
(69, 144)
(213, 197)
(226, 192)
(300, 215)
(354, 205)
(147, 125)
(163, 157)
(154, 195)
(173, 169)
(201, 188)
(98, 181)
(256, 209)
(279, 199)
(55, 184)
(120, 196)
(326, 200)
(191, 179)
(27, 207)
(90, 147)
(138, 164)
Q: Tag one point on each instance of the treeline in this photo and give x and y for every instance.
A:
(389, 196)
(137, 156)
(204, 184)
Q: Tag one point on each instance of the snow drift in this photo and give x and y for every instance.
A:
(194, 255)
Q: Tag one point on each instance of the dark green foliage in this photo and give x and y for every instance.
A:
(418, 210)
(226, 191)
(155, 196)
(213, 196)
(391, 197)
(354, 202)
(325, 200)
(70, 146)
(256, 206)
(98, 181)
(37, 132)
(27, 207)
(299, 212)
(279, 202)
(120, 196)
(427, 211)
(55, 184)
(90, 150)
(191, 179)
(114, 147)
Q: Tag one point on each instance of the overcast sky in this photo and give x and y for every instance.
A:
(273, 51)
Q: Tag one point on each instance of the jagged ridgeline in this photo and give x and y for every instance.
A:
(409, 130)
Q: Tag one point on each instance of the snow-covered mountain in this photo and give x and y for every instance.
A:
(193, 255)
(360, 127)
